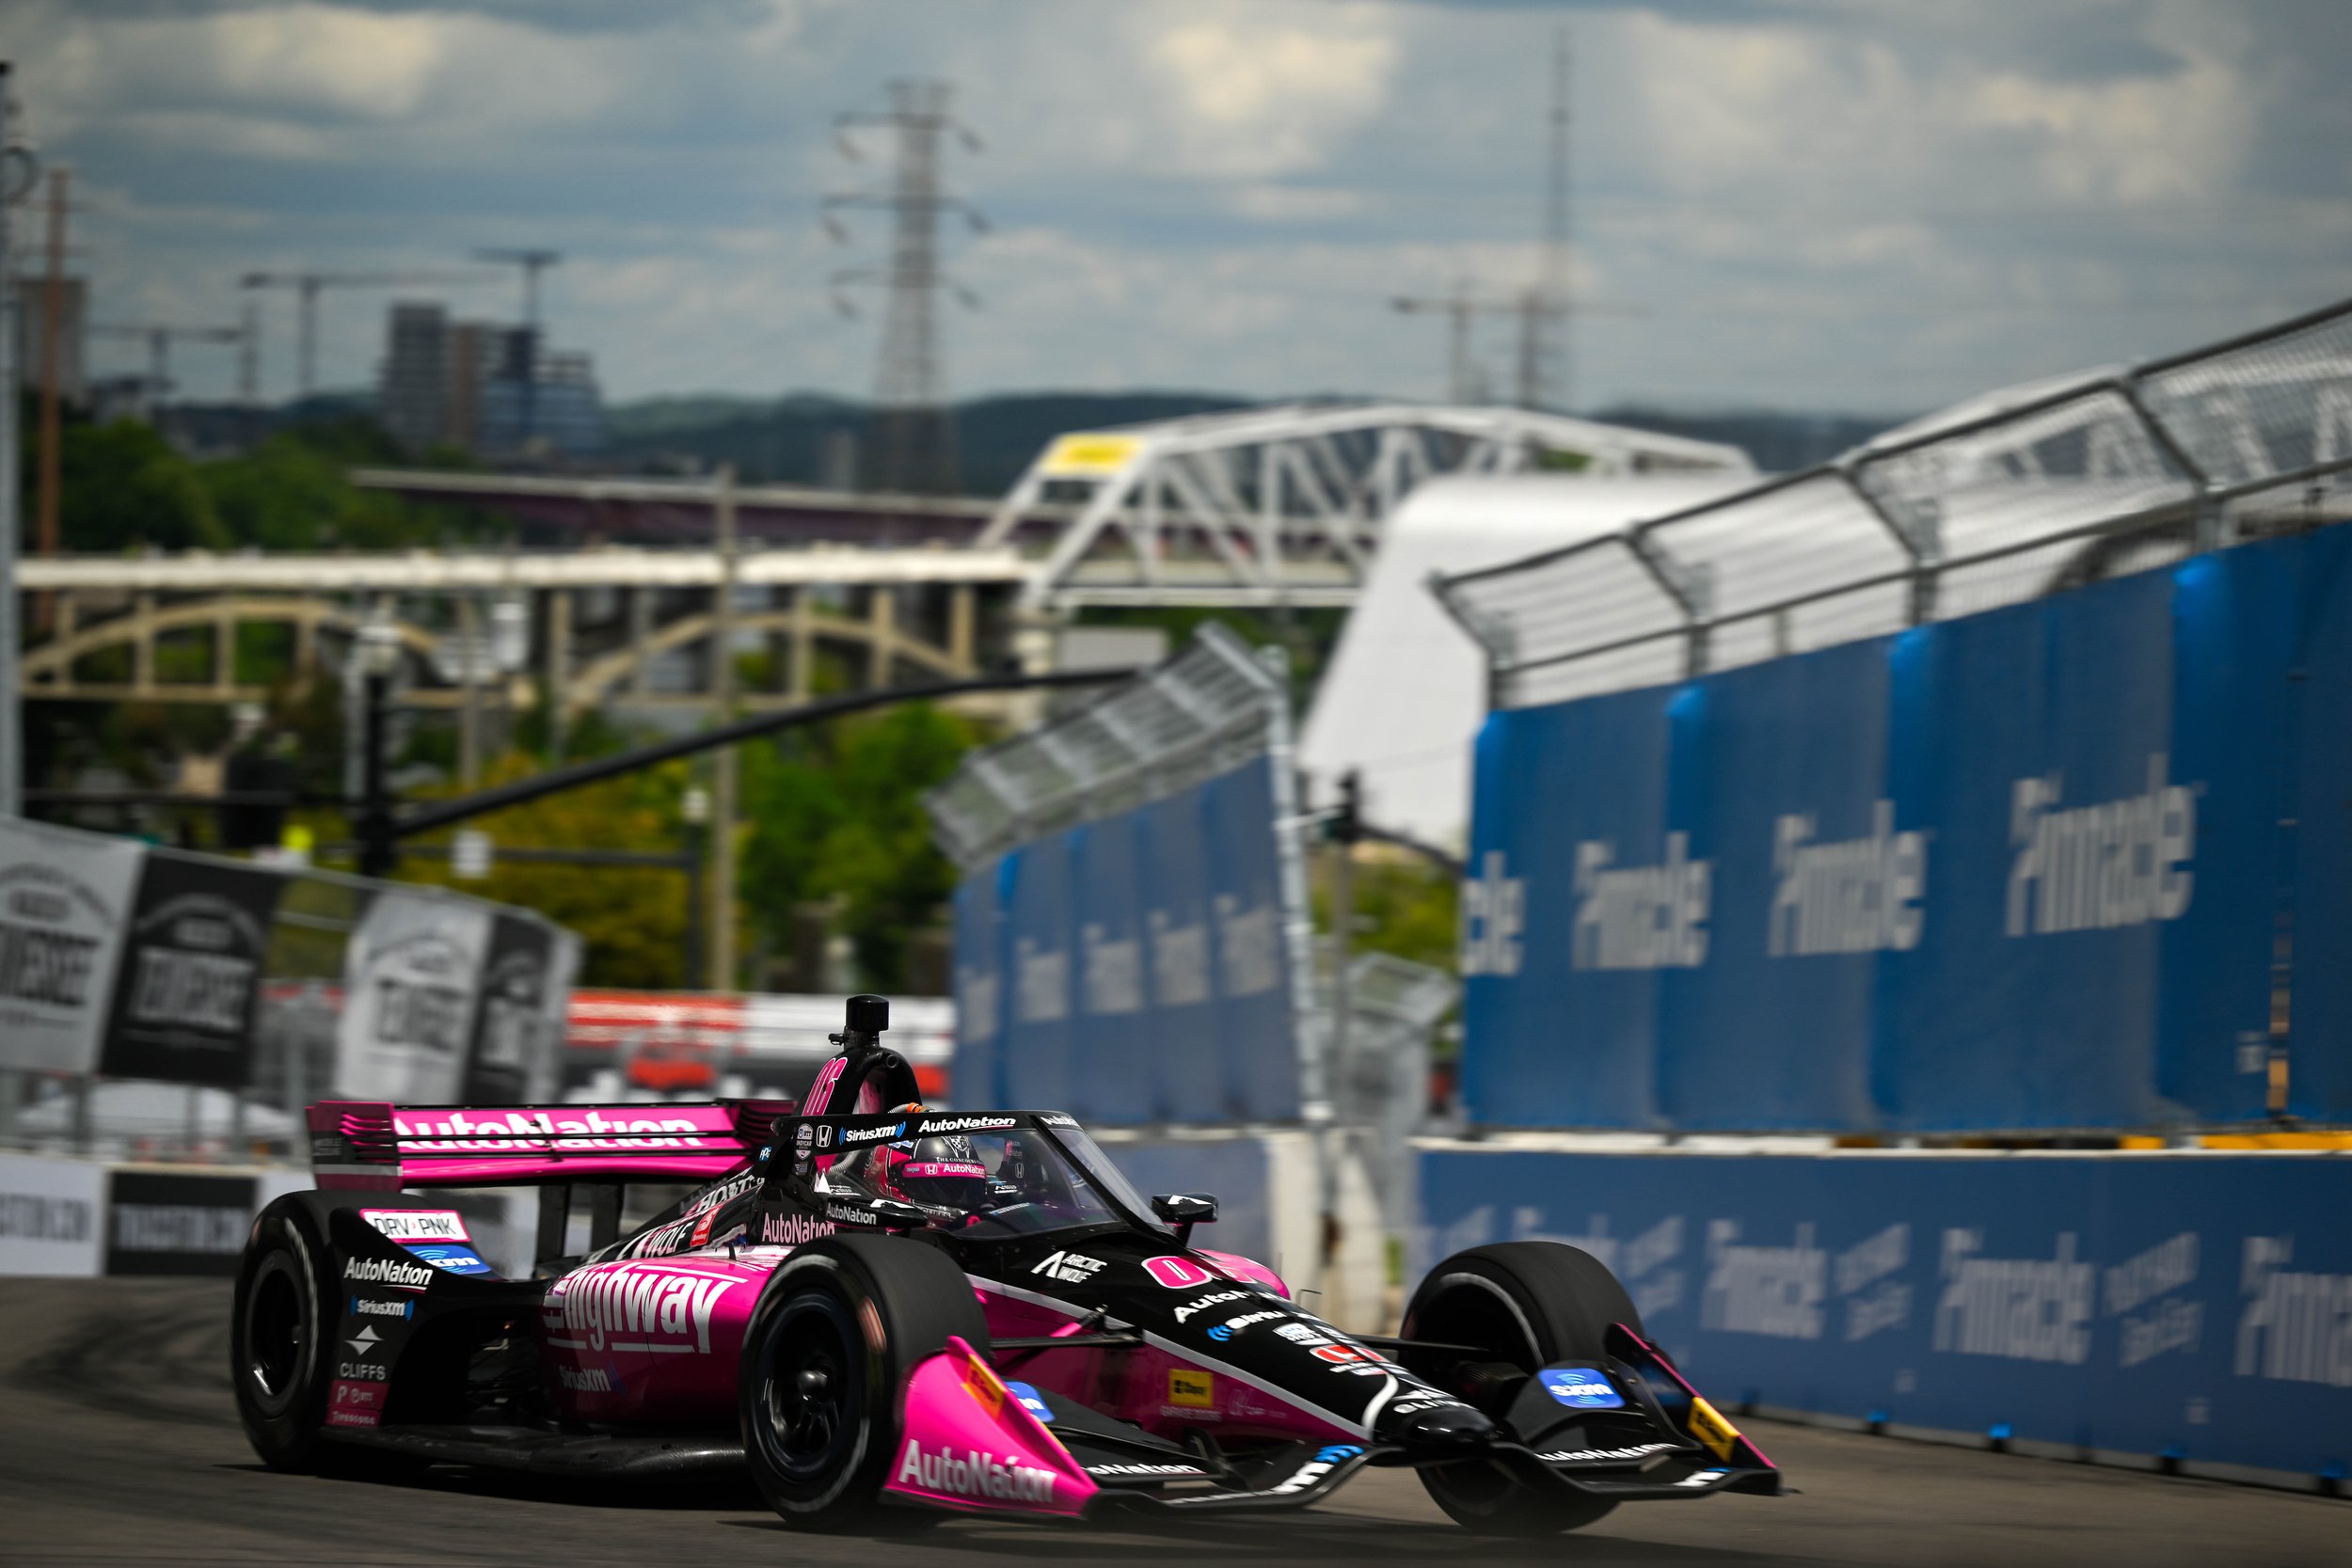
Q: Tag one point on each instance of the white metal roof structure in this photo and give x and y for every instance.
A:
(1407, 689)
(1287, 504)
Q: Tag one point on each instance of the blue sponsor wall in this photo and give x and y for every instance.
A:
(2031, 868)
(2195, 1306)
(1136, 969)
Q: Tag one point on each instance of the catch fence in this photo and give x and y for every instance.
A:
(2088, 478)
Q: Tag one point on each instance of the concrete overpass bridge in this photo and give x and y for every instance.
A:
(1260, 508)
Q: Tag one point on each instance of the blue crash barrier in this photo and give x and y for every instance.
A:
(1135, 969)
(2189, 1306)
(2031, 868)
(2319, 1082)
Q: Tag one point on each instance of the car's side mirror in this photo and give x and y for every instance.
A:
(1184, 1210)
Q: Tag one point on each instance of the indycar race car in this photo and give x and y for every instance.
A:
(888, 1313)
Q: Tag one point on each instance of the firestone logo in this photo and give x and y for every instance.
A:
(974, 1474)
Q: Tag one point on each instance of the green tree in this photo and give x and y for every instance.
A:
(123, 487)
(632, 922)
(1404, 905)
(837, 814)
(292, 493)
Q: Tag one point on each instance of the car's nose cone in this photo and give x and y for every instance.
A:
(1448, 1428)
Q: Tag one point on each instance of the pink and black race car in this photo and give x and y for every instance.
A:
(889, 1313)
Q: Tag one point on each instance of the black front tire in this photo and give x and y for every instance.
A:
(838, 1327)
(1530, 1303)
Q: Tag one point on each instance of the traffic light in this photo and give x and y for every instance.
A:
(245, 825)
(1347, 822)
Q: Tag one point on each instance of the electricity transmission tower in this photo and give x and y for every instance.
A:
(911, 447)
(1542, 310)
(1543, 352)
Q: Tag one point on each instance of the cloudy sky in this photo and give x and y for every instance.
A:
(1821, 204)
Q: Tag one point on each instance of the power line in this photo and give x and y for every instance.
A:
(917, 440)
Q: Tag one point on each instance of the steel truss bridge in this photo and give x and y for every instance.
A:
(1268, 507)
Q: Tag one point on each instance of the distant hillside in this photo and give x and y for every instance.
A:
(810, 439)
(1779, 443)
(804, 439)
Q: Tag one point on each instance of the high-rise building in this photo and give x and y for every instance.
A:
(414, 402)
(488, 388)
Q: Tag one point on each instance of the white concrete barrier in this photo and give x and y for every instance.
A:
(50, 1215)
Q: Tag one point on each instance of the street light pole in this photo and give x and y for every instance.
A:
(378, 853)
(720, 938)
(377, 651)
(16, 168)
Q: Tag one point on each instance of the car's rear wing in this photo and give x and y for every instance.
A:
(375, 1145)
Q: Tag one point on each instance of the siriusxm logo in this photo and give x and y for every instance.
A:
(368, 1307)
(1580, 1390)
(1231, 1326)
(872, 1134)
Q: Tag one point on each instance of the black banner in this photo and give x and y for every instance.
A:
(165, 1223)
(514, 1021)
(185, 991)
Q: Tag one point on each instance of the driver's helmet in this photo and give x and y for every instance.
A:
(937, 1173)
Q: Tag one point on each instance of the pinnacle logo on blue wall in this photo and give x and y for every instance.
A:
(1135, 968)
(2137, 1304)
(2012, 870)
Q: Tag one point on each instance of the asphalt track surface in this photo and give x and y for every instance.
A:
(118, 1444)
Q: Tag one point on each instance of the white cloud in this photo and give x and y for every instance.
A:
(1256, 99)
(1836, 204)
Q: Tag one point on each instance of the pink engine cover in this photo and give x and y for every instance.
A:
(652, 1339)
(967, 1443)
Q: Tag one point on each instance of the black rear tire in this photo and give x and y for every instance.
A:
(282, 1348)
(839, 1326)
(1529, 1303)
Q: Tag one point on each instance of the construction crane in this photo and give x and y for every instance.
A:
(308, 284)
(159, 341)
(534, 262)
(1465, 385)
